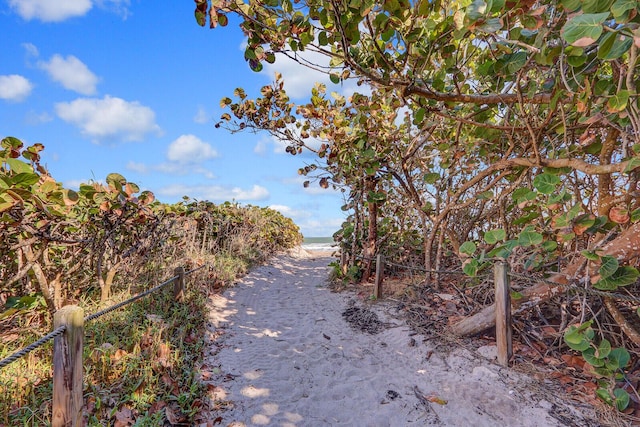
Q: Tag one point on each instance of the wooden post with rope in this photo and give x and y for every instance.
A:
(343, 261)
(178, 284)
(377, 290)
(67, 368)
(503, 313)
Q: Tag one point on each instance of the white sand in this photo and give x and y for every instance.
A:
(281, 354)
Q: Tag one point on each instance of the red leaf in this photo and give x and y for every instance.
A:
(619, 214)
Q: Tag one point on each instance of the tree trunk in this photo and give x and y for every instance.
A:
(371, 249)
(625, 326)
(41, 278)
(624, 247)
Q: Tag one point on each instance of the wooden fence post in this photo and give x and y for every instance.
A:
(343, 261)
(503, 313)
(67, 368)
(178, 284)
(377, 290)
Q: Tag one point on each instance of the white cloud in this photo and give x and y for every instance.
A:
(185, 156)
(50, 10)
(300, 79)
(34, 118)
(279, 146)
(60, 10)
(324, 227)
(313, 188)
(137, 167)
(31, 49)
(290, 212)
(202, 116)
(71, 73)
(261, 147)
(120, 7)
(190, 149)
(75, 183)
(14, 87)
(171, 169)
(215, 193)
(109, 117)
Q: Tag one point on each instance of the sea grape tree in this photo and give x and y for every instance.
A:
(526, 113)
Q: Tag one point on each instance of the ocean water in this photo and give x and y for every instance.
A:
(319, 244)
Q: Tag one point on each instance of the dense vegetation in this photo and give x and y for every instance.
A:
(483, 130)
(95, 247)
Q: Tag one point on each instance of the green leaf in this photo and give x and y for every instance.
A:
(620, 7)
(576, 61)
(619, 357)
(618, 101)
(25, 179)
(623, 276)
(546, 183)
(604, 349)
(516, 295)
(18, 166)
(494, 236)
(201, 18)
(613, 46)
(523, 195)
(571, 5)
(116, 181)
(335, 78)
(530, 238)
(471, 268)
(467, 248)
(492, 25)
(603, 394)
(476, 10)
(633, 163)
(431, 178)
(590, 357)
(583, 30)
(622, 399)
(11, 142)
(578, 337)
(608, 266)
(590, 255)
(596, 6)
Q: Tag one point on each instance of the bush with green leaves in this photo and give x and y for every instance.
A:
(608, 363)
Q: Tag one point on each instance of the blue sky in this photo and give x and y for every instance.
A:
(133, 87)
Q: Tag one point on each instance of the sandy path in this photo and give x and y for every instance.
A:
(283, 355)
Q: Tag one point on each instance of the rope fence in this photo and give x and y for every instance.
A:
(578, 289)
(501, 279)
(68, 334)
(28, 349)
(528, 279)
(128, 301)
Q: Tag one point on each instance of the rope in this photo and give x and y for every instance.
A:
(60, 330)
(578, 289)
(423, 270)
(411, 267)
(18, 354)
(195, 269)
(128, 301)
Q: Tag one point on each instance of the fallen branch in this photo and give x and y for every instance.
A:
(624, 247)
